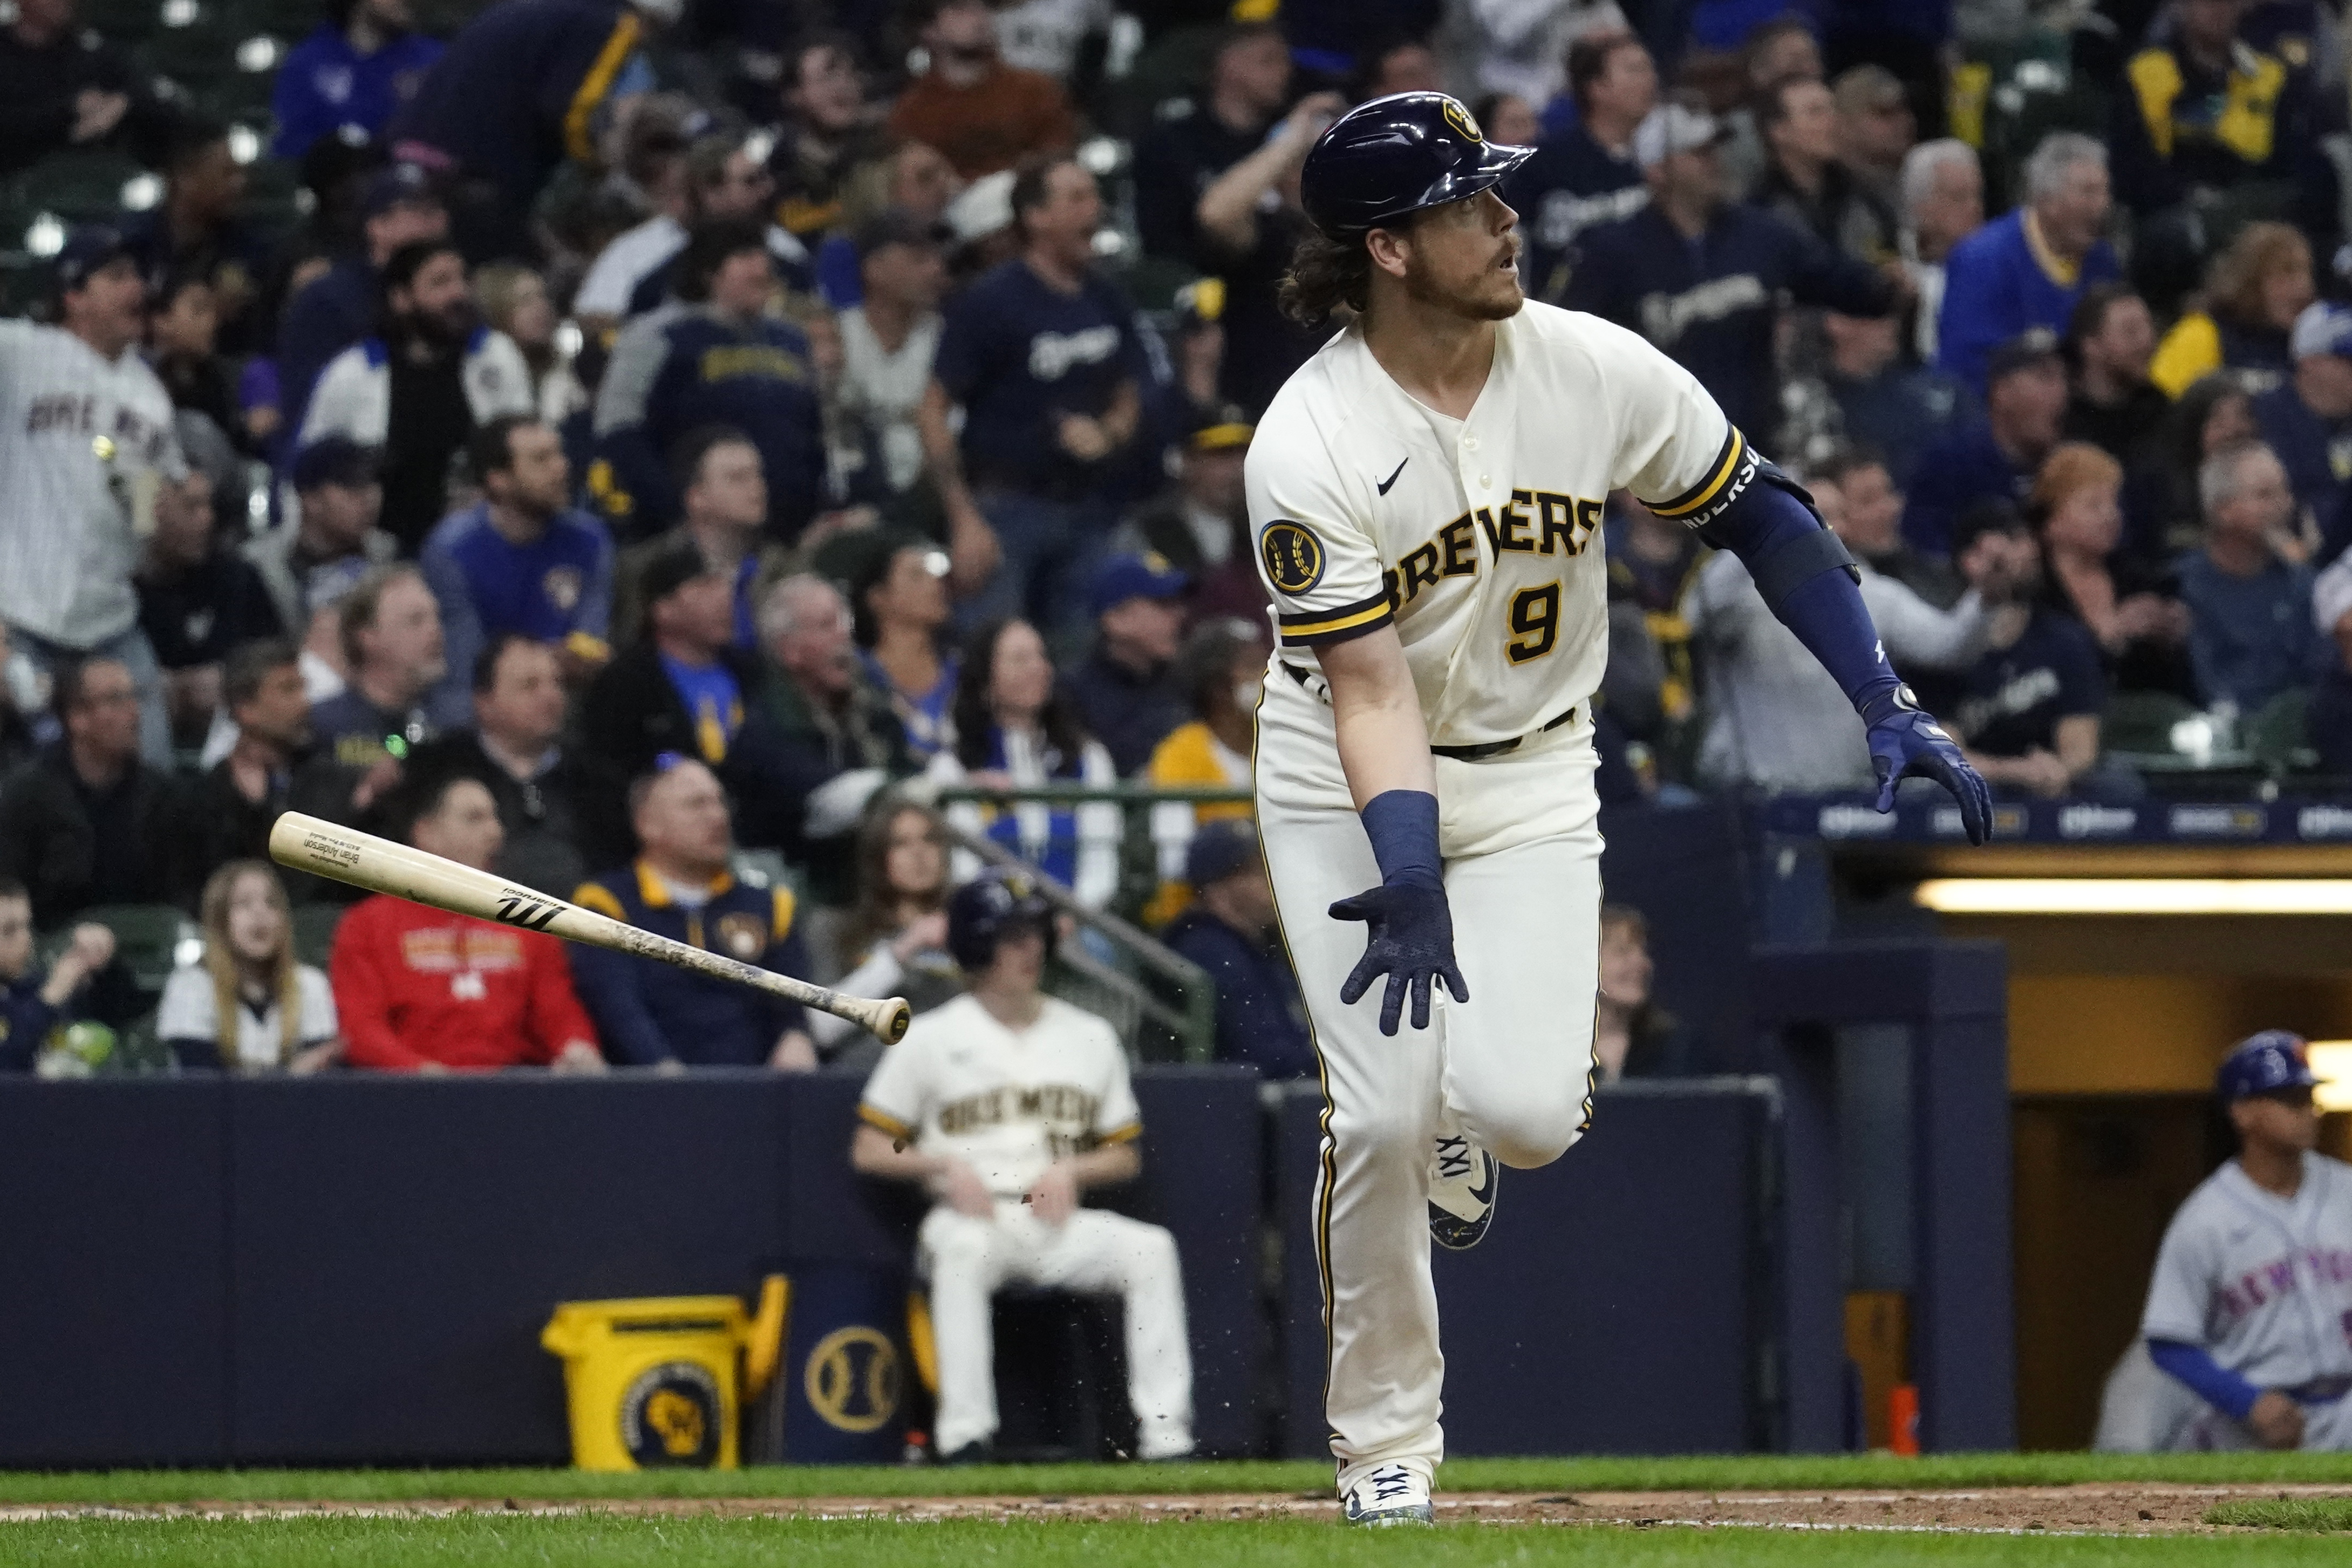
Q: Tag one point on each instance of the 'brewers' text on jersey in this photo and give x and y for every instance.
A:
(1478, 538)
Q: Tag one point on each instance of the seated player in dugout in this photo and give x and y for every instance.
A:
(1006, 1104)
(1426, 494)
(682, 887)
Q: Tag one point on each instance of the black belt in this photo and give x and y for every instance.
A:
(1457, 753)
(1497, 748)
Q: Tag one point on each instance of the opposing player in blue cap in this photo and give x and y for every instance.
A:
(2252, 1302)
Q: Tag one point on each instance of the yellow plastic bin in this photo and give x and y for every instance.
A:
(654, 1382)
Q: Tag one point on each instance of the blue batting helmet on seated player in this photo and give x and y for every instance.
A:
(1395, 155)
(2263, 1064)
(984, 909)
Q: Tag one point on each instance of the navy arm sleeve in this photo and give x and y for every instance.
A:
(1807, 579)
(2218, 1386)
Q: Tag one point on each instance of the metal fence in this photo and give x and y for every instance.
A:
(1162, 1004)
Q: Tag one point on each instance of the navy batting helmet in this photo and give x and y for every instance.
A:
(1398, 154)
(982, 910)
(2260, 1064)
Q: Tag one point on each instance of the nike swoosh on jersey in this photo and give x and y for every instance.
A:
(1392, 477)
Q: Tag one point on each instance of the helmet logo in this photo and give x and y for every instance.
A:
(1459, 117)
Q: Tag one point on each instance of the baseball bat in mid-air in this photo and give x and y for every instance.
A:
(307, 843)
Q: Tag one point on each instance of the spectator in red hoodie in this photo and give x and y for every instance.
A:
(421, 989)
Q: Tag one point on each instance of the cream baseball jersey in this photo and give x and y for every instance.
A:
(1479, 538)
(962, 1083)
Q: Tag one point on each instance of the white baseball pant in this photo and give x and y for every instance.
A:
(967, 1258)
(1512, 1067)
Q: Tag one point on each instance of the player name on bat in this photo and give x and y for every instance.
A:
(364, 860)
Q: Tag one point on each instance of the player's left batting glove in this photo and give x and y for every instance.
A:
(1905, 739)
(1411, 942)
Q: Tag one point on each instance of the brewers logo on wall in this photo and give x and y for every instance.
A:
(742, 936)
(1294, 557)
(563, 586)
(670, 1416)
(852, 1378)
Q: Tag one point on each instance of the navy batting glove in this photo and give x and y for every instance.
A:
(1904, 740)
(1411, 942)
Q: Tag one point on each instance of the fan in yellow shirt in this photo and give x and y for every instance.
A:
(1219, 669)
(2254, 292)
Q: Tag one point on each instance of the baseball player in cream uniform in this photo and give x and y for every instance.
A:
(1006, 1103)
(1427, 496)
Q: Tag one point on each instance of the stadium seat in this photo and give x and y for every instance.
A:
(147, 939)
(2140, 722)
(314, 932)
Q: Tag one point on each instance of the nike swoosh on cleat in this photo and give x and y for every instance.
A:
(1485, 1195)
(1393, 478)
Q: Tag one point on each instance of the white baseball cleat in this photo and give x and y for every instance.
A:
(1387, 1495)
(1462, 1181)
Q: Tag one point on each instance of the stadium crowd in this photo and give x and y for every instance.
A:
(660, 431)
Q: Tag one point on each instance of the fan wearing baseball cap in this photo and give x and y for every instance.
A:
(1701, 275)
(1124, 689)
(2307, 417)
(2254, 1283)
(87, 444)
(400, 206)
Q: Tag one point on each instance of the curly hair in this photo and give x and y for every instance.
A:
(1326, 277)
(2234, 286)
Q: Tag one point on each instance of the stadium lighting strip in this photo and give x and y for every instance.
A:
(2136, 895)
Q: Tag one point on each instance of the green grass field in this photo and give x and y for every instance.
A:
(2285, 1513)
(489, 1535)
(1756, 1472)
(491, 1541)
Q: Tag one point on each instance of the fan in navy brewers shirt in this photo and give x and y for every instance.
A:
(2028, 710)
(1195, 141)
(719, 360)
(1229, 932)
(1043, 356)
(521, 559)
(1702, 277)
(1585, 174)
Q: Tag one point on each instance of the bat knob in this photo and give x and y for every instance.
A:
(890, 1025)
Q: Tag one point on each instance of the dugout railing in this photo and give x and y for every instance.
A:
(1162, 1004)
